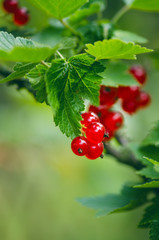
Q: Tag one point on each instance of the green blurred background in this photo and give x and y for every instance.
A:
(40, 178)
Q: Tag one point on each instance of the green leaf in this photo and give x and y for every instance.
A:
(149, 172)
(115, 49)
(36, 78)
(58, 9)
(19, 71)
(152, 184)
(151, 151)
(92, 32)
(117, 74)
(154, 231)
(153, 137)
(128, 36)
(53, 35)
(68, 83)
(152, 161)
(127, 200)
(151, 214)
(82, 13)
(145, 5)
(22, 49)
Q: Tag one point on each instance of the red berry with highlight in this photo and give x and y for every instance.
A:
(113, 121)
(79, 146)
(144, 99)
(139, 73)
(88, 118)
(95, 150)
(21, 17)
(95, 132)
(10, 6)
(128, 93)
(108, 95)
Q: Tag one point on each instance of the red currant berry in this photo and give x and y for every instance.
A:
(128, 93)
(144, 99)
(95, 150)
(21, 17)
(108, 95)
(10, 6)
(139, 73)
(89, 117)
(79, 146)
(110, 135)
(101, 110)
(95, 132)
(113, 121)
(130, 106)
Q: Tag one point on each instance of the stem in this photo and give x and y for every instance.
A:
(72, 30)
(120, 139)
(125, 157)
(119, 14)
(45, 64)
(61, 56)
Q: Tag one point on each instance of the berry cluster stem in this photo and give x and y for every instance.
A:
(120, 13)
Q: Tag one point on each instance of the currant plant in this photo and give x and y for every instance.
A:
(74, 56)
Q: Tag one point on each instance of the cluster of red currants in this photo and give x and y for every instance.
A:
(20, 15)
(90, 144)
(101, 123)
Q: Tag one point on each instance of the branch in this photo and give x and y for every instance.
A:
(125, 156)
(21, 83)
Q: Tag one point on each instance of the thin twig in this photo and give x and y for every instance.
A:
(61, 56)
(120, 13)
(125, 156)
(72, 30)
(45, 64)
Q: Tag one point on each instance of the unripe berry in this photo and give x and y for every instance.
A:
(95, 150)
(79, 146)
(95, 132)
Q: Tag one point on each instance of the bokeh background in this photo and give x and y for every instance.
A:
(40, 178)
